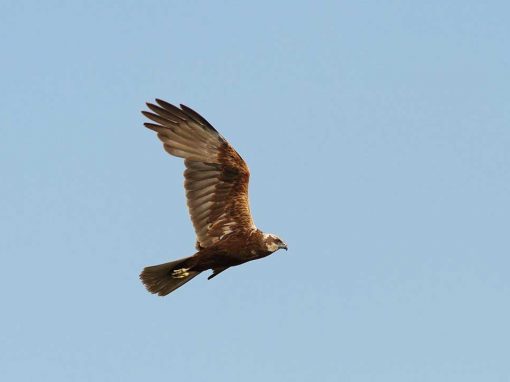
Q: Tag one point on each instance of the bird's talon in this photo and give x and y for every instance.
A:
(180, 273)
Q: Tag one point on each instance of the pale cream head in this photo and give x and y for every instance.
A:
(273, 242)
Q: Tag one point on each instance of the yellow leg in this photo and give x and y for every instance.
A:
(180, 273)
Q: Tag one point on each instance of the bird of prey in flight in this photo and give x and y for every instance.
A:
(216, 183)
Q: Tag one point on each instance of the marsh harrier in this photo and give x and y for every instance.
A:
(216, 183)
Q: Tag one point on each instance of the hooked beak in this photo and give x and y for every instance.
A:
(283, 246)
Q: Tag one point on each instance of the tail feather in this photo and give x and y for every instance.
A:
(158, 278)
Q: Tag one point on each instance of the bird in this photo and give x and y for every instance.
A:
(216, 183)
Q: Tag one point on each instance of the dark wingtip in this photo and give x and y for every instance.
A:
(165, 104)
(197, 117)
(183, 113)
(146, 114)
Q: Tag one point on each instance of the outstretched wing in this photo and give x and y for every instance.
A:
(216, 177)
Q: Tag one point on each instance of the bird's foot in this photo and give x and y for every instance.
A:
(180, 273)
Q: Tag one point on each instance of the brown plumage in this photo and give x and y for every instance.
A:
(216, 183)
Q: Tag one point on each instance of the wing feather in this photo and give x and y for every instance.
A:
(156, 118)
(216, 177)
(172, 109)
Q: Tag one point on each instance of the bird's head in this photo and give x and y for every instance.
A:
(274, 243)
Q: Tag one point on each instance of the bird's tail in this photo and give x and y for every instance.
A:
(165, 278)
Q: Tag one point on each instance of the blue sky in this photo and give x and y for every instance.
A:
(377, 134)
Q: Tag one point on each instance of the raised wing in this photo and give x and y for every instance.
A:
(216, 177)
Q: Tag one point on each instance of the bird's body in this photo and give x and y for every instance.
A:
(216, 183)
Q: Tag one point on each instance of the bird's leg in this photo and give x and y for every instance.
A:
(180, 273)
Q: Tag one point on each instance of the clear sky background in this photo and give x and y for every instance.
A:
(378, 138)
